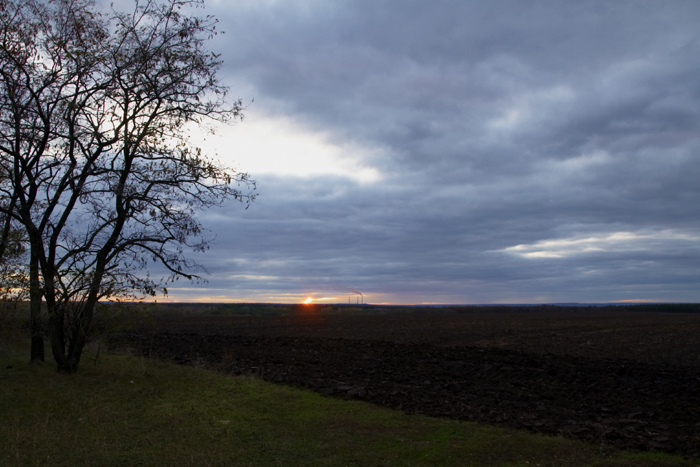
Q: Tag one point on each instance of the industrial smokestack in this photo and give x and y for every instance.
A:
(358, 300)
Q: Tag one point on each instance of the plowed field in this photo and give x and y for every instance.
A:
(607, 375)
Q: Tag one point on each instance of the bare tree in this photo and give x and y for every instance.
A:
(13, 277)
(27, 105)
(95, 152)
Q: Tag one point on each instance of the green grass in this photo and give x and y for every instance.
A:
(128, 411)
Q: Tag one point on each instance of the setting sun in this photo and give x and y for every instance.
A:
(308, 301)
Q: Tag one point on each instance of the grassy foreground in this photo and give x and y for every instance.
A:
(128, 411)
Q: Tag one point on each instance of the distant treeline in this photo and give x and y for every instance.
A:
(666, 307)
(574, 307)
(281, 309)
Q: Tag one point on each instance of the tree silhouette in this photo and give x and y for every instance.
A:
(95, 160)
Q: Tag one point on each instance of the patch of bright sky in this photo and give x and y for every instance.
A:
(277, 145)
(614, 242)
(214, 295)
(575, 167)
(250, 277)
(528, 108)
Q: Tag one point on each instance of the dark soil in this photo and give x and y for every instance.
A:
(618, 379)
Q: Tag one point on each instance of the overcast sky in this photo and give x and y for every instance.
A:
(459, 152)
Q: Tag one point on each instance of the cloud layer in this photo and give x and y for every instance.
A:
(461, 152)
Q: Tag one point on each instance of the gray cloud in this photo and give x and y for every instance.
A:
(496, 124)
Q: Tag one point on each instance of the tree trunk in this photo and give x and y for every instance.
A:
(68, 357)
(68, 330)
(37, 353)
(80, 328)
(57, 315)
(35, 326)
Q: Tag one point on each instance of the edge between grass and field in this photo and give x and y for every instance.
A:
(127, 411)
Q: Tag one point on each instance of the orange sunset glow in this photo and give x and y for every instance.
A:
(308, 301)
